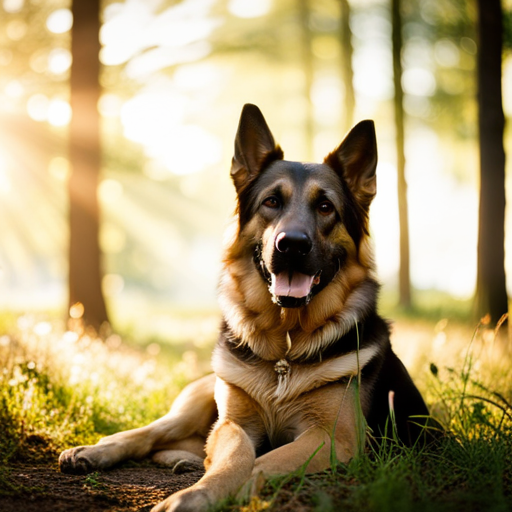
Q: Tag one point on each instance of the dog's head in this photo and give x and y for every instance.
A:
(301, 222)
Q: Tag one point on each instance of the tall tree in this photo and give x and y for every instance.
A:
(491, 293)
(84, 253)
(347, 71)
(307, 63)
(404, 271)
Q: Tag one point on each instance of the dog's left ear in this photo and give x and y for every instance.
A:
(254, 147)
(355, 160)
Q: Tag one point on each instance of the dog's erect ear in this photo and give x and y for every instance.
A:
(356, 161)
(254, 147)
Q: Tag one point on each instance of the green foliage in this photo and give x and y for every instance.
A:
(59, 389)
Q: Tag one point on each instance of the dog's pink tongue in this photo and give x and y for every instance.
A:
(297, 285)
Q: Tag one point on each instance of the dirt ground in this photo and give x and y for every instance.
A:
(43, 488)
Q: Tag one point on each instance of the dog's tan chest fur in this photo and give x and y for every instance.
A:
(286, 406)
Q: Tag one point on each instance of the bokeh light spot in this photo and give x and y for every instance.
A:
(13, 6)
(37, 107)
(59, 61)
(59, 168)
(76, 311)
(59, 21)
(59, 112)
(112, 284)
(16, 30)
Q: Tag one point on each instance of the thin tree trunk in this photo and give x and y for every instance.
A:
(347, 71)
(84, 254)
(491, 294)
(404, 271)
(307, 66)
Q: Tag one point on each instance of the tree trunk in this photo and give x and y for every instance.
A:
(85, 157)
(307, 66)
(347, 71)
(491, 293)
(404, 271)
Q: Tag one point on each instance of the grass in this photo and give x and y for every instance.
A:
(59, 388)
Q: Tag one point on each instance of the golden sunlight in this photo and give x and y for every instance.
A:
(249, 8)
(5, 182)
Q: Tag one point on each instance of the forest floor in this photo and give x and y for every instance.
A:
(43, 488)
(60, 389)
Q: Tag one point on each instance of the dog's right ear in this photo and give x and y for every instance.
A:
(254, 147)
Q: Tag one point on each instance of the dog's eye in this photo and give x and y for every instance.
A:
(325, 207)
(271, 202)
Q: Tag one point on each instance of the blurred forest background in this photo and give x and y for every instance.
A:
(146, 126)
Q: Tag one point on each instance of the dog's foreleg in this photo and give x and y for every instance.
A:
(331, 436)
(310, 452)
(192, 414)
(230, 460)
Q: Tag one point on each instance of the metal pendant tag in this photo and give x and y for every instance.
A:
(282, 367)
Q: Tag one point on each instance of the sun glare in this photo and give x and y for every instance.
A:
(249, 8)
(149, 41)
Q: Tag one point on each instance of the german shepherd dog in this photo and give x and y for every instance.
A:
(301, 349)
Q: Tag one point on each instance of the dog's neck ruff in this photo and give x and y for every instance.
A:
(351, 341)
(237, 364)
(255, 322)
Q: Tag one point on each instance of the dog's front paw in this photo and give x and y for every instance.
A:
(187, 500)
(85, 459)
(75, 461)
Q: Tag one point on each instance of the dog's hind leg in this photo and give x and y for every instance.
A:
(190, 418)
(185, 455)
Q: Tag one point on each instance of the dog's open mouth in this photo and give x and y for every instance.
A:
(289, 288)
(292, 289)
(292, 284)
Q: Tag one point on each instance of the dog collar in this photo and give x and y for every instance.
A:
(352, 340)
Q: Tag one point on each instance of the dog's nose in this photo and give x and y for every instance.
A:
(293, 242)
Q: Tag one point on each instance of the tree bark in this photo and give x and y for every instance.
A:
(307, 66)
(404, 270)
(85, 273)
(491, 293)
(347, 71)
